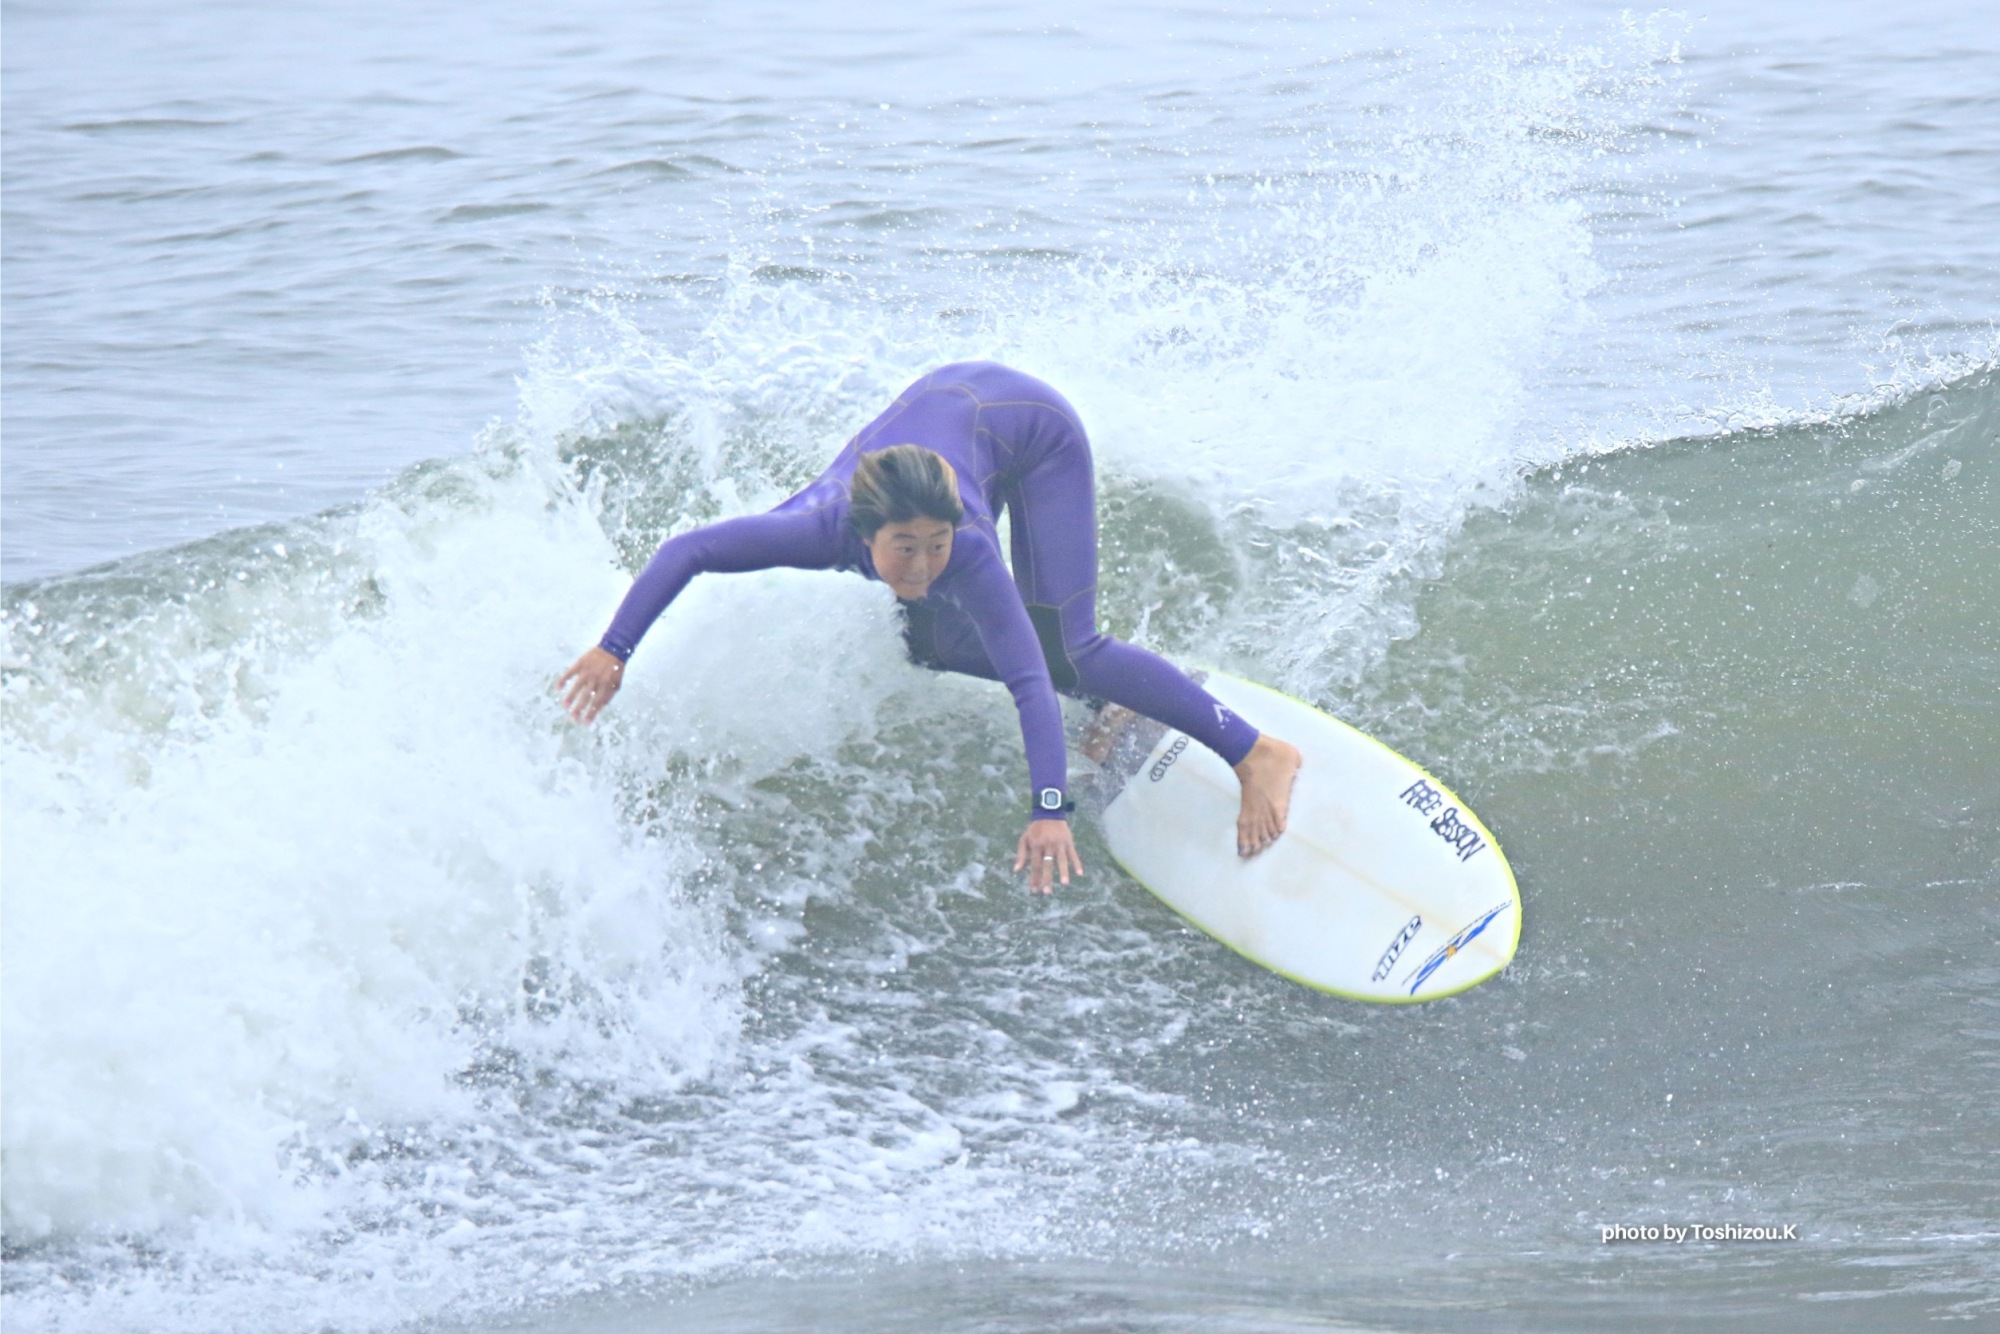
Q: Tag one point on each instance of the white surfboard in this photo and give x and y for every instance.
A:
(1384, 886)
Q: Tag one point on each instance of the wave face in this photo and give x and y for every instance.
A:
(347, 985)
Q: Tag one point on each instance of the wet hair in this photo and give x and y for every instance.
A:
(901, 483)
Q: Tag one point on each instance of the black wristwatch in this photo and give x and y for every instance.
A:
(1050, 801)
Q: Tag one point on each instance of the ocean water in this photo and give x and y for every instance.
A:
(1601, 407)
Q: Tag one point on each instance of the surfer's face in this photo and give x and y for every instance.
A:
(910, 555)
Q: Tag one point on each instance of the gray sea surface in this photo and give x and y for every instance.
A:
(1598, 406)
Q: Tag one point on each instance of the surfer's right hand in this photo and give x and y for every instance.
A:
(590, 683)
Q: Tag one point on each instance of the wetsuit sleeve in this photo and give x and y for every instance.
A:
(800, 539)
(994, 605)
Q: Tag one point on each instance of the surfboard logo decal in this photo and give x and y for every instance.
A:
(1387, 963)
(1424, 799)
(1166, 761)
(1451, 948)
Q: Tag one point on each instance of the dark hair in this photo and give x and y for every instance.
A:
(901, 483)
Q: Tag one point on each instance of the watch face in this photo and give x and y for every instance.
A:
(1052, 799)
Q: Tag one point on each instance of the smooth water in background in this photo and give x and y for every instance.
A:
(1599, 407)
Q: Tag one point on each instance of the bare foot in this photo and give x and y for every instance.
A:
(1266, 774)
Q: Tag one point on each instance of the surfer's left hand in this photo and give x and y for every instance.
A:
(1046, 851)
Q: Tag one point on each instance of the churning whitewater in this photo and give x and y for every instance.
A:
(1433, 376)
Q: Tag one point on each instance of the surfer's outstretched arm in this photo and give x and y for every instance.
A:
(806, 539)
(802, 538)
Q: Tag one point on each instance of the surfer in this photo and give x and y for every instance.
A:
(911, 501)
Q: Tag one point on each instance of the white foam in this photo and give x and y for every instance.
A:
(228, 932)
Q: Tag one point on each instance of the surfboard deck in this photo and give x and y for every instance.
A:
(1384, 887)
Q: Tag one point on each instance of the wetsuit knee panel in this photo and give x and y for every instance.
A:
(1048, 629)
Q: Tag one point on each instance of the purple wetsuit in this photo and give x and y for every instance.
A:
(1014, 443)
